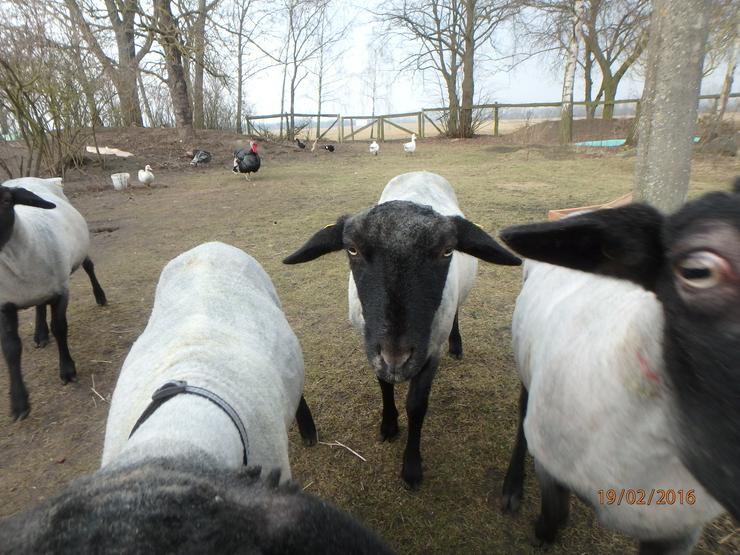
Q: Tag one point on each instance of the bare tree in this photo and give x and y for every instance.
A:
(615, 33)
(678, 34)
(124, 71)
(168, 35)
(447, 34)
(566, 110)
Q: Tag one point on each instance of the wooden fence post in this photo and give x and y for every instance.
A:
(495, 119)
(420, 125)
(341, 129)
(381, 133)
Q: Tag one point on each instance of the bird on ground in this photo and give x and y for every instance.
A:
(410, 147)
(330, 148)
(200, 157)
(247, 161)
(146, 176)
(300, 144)
(374, 148)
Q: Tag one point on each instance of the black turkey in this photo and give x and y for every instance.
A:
(330, 148)
(246, 161)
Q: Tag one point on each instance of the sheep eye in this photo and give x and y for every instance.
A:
(352, 251)
(448, 252)
(700, 270)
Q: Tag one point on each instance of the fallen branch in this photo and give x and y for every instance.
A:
(336, 443)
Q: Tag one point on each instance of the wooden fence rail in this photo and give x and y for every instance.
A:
(425, 116)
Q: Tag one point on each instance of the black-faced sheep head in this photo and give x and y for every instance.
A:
(9, 198)
(400, 254)
(691, 261)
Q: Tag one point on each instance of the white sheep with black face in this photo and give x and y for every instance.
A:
(43, 239)
(216, 324)
(412, 266)
(631, 385)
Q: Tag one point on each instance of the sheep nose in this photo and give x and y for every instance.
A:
(395, 358)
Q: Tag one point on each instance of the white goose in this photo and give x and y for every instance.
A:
(146, 176)
(374, 148)
(410, 147)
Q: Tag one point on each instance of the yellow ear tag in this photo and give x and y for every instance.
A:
(480, 226)
(328, 226)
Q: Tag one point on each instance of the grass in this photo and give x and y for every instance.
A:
(471, 421)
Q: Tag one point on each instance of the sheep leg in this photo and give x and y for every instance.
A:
(89, 268)
(511, 494)
(554, 509)
(67, 370)
(675, 546)
(306, 426)
(41, 330)
(389, 424)
(455, 340)
(12, 349)
(417, 401)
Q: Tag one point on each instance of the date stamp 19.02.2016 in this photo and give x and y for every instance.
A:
(669, 496)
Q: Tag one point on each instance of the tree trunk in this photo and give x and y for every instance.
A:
(724, 93)
(566, 106)
(240, 74)
(176, 78)
(145, 100)
(199, 46)
(609, 87)
(678, 34)
(588, 63)
(468, 67)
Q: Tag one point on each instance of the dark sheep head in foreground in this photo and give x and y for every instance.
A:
(165, 507)
(657, 376)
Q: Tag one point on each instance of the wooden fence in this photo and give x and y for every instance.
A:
(423, 119)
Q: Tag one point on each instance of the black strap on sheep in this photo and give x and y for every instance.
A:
(175, 387)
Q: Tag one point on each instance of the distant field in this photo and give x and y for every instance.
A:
(470, 426)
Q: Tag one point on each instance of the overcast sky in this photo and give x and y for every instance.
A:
(536, 79)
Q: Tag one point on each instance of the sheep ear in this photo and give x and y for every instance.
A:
(472, 240)
(736, 185)
(622, 242)
(27, 198)
(325, 241)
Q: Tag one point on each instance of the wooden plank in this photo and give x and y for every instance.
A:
(329, 129)
(360, 129)
(434, 124)
(398, 126)
(563, 212)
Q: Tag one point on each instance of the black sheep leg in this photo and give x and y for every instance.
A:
(455, 340)
(12, 349)
(555, 507)
(41, 330)
(306, 426)
(417, 401)
(67, 371)
(389, 424)
(89, 268)
(511, 495)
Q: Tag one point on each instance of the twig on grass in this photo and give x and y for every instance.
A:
(336, 443)
(95, 390)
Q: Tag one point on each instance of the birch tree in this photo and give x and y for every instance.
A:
(566, 110)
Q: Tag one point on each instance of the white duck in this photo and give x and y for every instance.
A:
(146, 176)
(374, 148)
(410, 147)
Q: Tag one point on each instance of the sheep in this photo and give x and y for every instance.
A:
(177, 506)
(410, 273)
(631, 384)
(43, 239)
(217, 325)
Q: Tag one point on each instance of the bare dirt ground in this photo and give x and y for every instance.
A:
(471, 422)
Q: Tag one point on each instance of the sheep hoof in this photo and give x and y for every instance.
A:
(41, 342)
(68, 375)
(388, 431)
(412, 475)
(456, 353)
(511, 501)
(20, 412)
